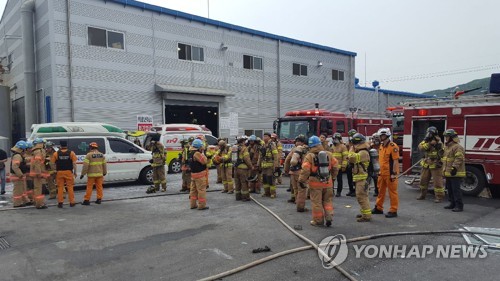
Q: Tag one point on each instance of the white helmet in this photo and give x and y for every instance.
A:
(384, 131)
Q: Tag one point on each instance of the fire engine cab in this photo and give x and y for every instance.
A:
(476, 120)
(317, 121)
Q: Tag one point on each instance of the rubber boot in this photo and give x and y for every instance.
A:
(439, 197)
(423, 194)
(163, 187)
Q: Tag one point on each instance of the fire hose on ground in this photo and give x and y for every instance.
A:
(321, 252)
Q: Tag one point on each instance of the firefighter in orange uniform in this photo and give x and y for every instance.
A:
(51, 169)
(269, 165)
(65, 161)
(223, 159)
(18, 171)
(388, 176)
(318, 170)
(94, 166)
(38, 172)
(339, 151)
(293, 164)
(198, 162)
(432, 147)
(453, 169)
(360, 159)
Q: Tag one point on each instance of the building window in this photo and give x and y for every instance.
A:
(337, 75)
(188, 52)
(250, 62)
(299, 69)
(106, 38)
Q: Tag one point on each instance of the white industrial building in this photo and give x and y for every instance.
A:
(112, 60)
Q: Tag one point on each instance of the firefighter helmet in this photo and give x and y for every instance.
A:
(384, 132)
(191, 139)
(337, 136)
(30, 144)
(314, 141)
(450, 133)
(49, 144)
(358, 138)
(301, 138)
(352, 132)
(38, 140)
(21, 144)
(433, 130)
(94, 145)
(197, 143)
(222, 143)
(252, 138)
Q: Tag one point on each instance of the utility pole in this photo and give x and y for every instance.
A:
(208, 8)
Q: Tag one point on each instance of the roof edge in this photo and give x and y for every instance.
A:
(392, 92)
(191, 17)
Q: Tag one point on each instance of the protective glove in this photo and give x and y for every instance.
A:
(81, 177)
(151, 161)
(453, 171)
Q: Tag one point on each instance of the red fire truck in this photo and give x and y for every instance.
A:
(317, 121)
(475, 120)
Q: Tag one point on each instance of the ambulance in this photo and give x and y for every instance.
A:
(171, 136)
(125, 160)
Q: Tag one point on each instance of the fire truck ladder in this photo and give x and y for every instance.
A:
(488, 98)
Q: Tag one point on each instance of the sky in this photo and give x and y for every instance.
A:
(407, 45)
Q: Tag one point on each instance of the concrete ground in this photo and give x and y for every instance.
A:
(157, 237)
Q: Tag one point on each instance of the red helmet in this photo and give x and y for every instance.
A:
(93, 145)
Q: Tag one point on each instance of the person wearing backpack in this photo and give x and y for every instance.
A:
(360, 160)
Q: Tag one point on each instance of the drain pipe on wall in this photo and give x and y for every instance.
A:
(70, 61)
(27, 16)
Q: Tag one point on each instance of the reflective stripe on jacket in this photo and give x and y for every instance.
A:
(454, 157)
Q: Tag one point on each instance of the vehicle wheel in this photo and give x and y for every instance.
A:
(474, 181)
(174, 167)
(146, 176)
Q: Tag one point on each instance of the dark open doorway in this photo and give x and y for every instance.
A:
(201, 115)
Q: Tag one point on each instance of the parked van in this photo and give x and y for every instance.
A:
(172, 143)
(125, 160)
(74, 129)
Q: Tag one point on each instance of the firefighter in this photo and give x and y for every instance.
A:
(223, 159)
(198, 162)
(65, 162)
(158, 164)
(185, 168)
(242, 167)
(339, 151)
(38, 172)
(208, 153)
(18, 172)
(318, 170)
(350, 148)
(324, 142)
(293, 164)
(269, 165)
(360, 160)
(453, 169)
(94, 166)
(254, 180)
(279, 147)
(432, 147)
(388, 176)
(29, 180)
(372, 174)
(51, 169)
(219, 165)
